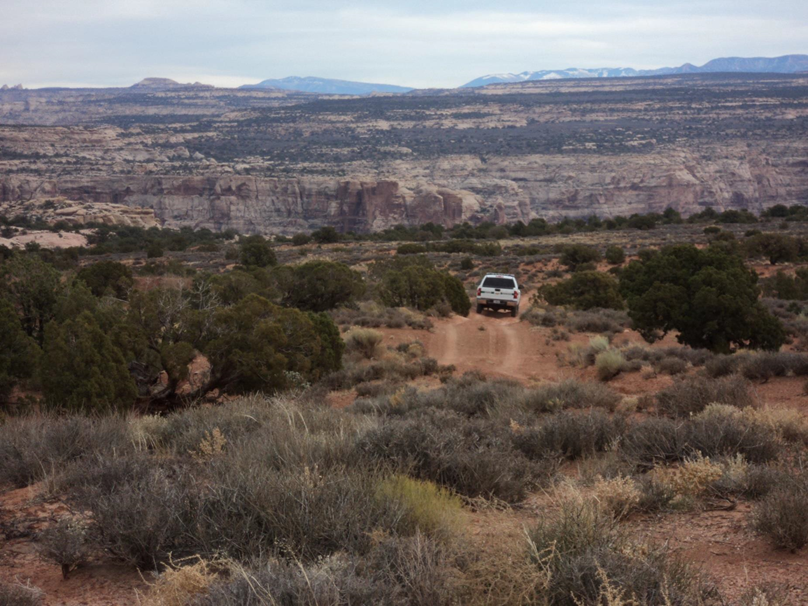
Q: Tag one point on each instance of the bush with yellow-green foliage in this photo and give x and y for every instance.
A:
(433, 510)
(609, 364)
(364, 341)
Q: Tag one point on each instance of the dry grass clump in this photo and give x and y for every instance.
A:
(180, 583)
(759, 366)
(618, 496)
(601, 321)
(692, 395)
(18, 594)
(609, 364)
(65, 543)
(661, 441)
(393, 368)
(570, 435)
(671, 366)
(655, 355)
(585, 557)
(32, 447)
(570, 394)
(431, 509)
(688, 481)
(782, 516)
(474, 457)
(365, 342)
(370, 314)
(470, 395)
(766, 365)
(415, 570)
(767, 595)
(609, 321)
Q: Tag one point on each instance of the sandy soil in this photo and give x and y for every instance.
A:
(499, 346)
(98, 583)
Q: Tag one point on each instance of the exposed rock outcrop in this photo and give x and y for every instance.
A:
(252, 205)
(54, 210)
(446, 192)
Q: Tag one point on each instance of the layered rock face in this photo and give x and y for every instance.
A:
(501, 190)
(257, 163)
(254, 205)
(53, 210)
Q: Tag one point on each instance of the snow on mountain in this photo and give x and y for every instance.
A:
(788, 64)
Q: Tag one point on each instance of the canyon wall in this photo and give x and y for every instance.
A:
(254, 205)
(449, 191)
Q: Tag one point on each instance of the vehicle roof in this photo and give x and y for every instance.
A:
(499, 276)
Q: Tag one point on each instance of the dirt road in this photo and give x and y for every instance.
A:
(495, 344)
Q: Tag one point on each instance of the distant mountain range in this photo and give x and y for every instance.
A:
(329, 87)
(163, 84)
(788, 64)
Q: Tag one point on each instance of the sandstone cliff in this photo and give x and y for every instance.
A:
(446, 192)
(253, 205)
(262, 163)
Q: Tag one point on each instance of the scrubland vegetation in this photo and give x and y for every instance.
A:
(185, 421)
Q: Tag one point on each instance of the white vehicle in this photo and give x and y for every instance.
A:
(498, 291)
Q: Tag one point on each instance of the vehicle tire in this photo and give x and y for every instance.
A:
(479, 309)
(515, 311)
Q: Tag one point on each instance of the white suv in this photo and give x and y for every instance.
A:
(498, 291)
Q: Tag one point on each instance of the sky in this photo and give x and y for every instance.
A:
(418, 43)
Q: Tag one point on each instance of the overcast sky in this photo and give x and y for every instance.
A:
(421, 43)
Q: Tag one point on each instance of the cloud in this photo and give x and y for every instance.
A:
(417, 43)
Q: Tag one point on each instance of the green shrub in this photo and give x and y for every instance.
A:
(326, 235)
(33, 288)
(255, 251)
(319, 285)
(573, 256)
(416, 283)
(585, 290)
(107, 277)
(301, 239)
(429, 508)
(456, 295)
(709, 296)
(609, 364)
(19, 353)
(83, 369)
(615, 255)
(256, 344)
(411, 248)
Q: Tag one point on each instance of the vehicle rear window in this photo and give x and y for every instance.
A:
(499, 283)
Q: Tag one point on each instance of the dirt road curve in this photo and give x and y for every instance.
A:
(494, 343)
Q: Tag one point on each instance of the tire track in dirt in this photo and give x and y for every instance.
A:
(497, 345)
(492, 343)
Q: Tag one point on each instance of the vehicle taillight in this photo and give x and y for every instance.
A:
(479, 291)
(516, 294)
